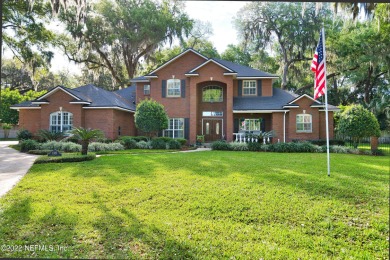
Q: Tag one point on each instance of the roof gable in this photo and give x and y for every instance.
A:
(208, 61)
(54, 90)
(304, 95)
(151, 74)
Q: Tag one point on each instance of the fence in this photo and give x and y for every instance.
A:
(365, 143)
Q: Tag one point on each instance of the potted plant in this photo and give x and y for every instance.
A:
(199, 139)
(6, 127)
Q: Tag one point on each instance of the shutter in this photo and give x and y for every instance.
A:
(262, 125)
(187, 128)
(164, 88)
(239, 88)
(236, 125)
(259, 88)
(183, 88)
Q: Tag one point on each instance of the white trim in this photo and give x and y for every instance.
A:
(17, 108)
(250, 87)
(258, 111)
(175, 58)
(40, 102)
(191, 74)
(230, 73)
(311, 123)
(80, 102)
(291, 106)
(151, 76)
(329, 109)
(55, 90)
(318, 105)
(140, 80)
(117, 108)
(216, 62)
(257, 77)
(304, 95)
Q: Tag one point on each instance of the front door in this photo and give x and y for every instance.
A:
(212, 129)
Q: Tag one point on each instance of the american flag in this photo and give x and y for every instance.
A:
(318, 66)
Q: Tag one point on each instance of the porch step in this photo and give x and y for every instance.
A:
(205, 145)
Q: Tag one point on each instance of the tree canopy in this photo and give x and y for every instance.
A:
(150, 117)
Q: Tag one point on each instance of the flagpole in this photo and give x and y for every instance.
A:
(326, 105)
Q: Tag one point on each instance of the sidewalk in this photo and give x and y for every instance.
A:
(13, 166)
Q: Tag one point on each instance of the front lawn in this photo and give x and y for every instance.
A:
(202, 205)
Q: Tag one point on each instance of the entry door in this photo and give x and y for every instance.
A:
(212, 129)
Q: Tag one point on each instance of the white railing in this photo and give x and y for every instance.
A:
(250, 138)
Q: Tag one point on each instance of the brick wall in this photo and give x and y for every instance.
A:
(125, 121)
(30, 119)
(266, 87)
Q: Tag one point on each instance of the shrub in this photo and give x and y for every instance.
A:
(27, 145)
(39, 152)
(51, 145)
(377, 152)
(95, 147)
(321, 142)
(46, 135)
(128, 143)
(182, 141)
(158, 143)
(143, 145)
(24, 134)
(255, 147)
(65, 158)
(173, 144)
(103, 140)
(337, 149)
(220, 145)
(236, 146)
(70, 147)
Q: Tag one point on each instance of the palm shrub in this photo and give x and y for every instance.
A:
(24, 134)
(46, 135)
(236, 146)
(85, 136)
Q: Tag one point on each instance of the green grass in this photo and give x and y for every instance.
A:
(205, 205)
(384, 148)
(137, 151)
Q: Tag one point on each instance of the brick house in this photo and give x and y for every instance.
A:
(211, 97)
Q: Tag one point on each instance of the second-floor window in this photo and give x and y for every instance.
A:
(146, 89)
(173, 88)
(212, 94)
(249, 87)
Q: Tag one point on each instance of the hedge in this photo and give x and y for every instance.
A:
(65, 158)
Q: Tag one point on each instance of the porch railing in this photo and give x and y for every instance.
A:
(253, 136)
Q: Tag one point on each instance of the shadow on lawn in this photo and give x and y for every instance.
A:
(123, 235)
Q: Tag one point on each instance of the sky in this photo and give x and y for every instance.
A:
(219, 13)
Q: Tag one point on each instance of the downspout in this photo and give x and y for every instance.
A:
(284, 126)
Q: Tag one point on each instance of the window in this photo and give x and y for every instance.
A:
(212, 94)
(61, 121)
(212, 113)
(175, 128)
(249, 87)
(173, 88)
(251, 125)
(304, 123)
(146, 89)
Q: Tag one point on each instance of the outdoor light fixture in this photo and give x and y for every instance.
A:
(173, 76)
(211, 78)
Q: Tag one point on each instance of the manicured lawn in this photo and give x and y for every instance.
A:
(202, 205)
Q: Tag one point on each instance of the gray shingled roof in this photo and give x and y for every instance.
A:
(276, 102)
(244, 71)
(97, 97)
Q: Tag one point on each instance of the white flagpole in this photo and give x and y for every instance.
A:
(326, 104)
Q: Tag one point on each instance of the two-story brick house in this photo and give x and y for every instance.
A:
(202, 96)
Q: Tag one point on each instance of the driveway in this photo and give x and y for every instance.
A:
(13, 166)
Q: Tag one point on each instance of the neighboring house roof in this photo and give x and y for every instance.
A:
(89, 95)
(275, 102)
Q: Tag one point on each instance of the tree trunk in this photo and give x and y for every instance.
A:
(84, 147)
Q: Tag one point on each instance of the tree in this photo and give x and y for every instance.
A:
(150, 117)
(118, 34)
(357, 122)
(236, 54)
(282, 26)
(11, 97)
(85, 136)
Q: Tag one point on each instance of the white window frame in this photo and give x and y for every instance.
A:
(61, 121)
(251, 124)
(175, 128)
(146, 90)
(249, 87)
(173, 88)
(304, 123)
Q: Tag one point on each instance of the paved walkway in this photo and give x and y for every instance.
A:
(13, 166)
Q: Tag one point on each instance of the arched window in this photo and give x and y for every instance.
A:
(304, 123)
(61, 121)
(212, 94)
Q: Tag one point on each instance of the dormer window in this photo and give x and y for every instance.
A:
(249, 88)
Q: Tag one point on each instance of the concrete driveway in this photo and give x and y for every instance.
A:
(13, 166)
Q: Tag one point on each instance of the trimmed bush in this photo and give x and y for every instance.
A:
(28, 144)
(173, 144)
(143, 145)
(182, 141)
(129, 143)
(69, 147)
(104, 140)
(158, 143)
(254, 147)
(65, 158)
(220, 145)
(24, 134)
(236, 146)
(52, 145)
(39, 152)
(95, 147)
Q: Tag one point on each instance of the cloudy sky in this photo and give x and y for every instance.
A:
(219, 13)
